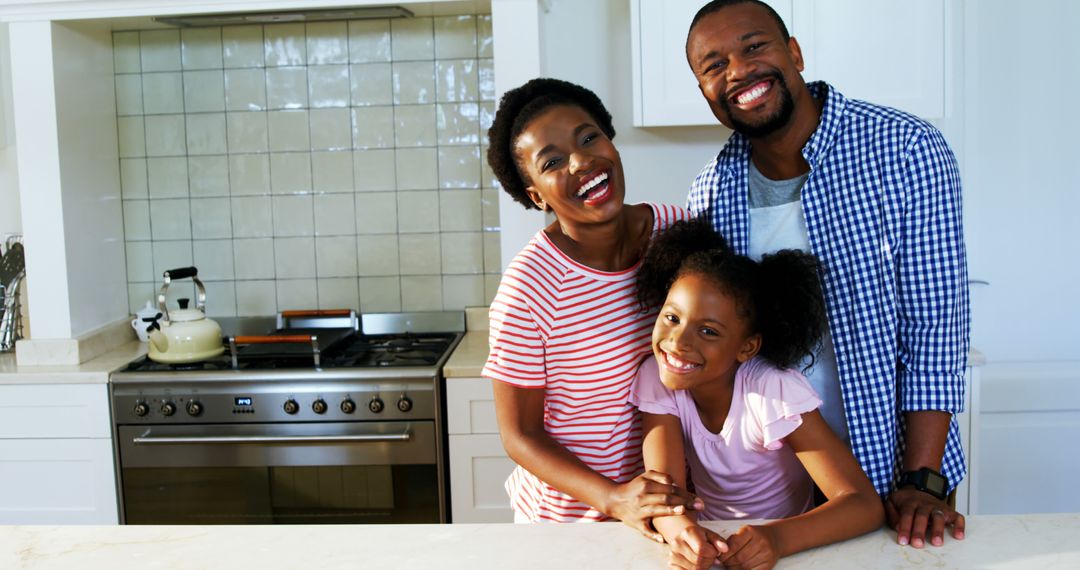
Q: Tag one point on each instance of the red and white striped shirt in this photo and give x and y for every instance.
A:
(579, 334)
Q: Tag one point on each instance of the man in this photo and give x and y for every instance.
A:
(875, 194)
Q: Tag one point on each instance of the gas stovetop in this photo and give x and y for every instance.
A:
(352, 351)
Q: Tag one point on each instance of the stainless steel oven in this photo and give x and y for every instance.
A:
(282, 442)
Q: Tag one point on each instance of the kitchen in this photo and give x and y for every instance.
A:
(600, 28)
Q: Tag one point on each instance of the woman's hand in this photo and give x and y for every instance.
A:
(915, 514)
(651, 494)
(696, 548)
(751, 548)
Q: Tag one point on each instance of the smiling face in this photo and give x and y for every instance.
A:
(571, 166)
(745, 69)
(699, 336)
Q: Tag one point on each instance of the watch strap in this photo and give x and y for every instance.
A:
(926, 480)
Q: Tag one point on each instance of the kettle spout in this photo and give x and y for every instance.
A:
(159, 340)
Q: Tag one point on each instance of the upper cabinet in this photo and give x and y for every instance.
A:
(890, 52)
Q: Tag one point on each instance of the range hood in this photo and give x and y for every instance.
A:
(285, 16)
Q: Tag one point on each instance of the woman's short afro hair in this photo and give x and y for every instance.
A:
(521, 105)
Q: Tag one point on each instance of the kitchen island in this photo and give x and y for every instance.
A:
(1023, 541)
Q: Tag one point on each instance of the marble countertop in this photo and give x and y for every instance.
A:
(469, 356)
(1026, 541)
(94, 371)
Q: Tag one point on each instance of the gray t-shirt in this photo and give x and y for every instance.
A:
(777, 222)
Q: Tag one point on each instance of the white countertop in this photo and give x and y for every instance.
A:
(1028, 541)
(94, 371)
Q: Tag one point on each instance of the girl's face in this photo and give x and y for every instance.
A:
(699, 337)
(571, 166)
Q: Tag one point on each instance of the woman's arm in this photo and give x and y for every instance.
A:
(692, 546)
(853, 507)
(520, 414)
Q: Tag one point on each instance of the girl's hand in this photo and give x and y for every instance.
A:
(651, 494)
(752, 547)
(696, 548)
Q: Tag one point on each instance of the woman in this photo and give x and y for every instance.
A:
(567, 333)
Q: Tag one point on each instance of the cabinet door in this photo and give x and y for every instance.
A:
(54, 411)
(665, 91)
(478, 469)
(470, 406)
(886, 52)
(57, 481)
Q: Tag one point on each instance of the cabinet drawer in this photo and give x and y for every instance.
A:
(54, 411)
(470, 406)
(57, 481)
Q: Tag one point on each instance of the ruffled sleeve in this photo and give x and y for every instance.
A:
(648, 394)
(777, 399)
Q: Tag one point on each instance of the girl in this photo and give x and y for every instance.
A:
(720, 397)
(567, 333)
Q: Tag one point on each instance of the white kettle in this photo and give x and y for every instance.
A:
(184, 335)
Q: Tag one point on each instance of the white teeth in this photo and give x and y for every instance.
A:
(752, 94)
(678, 364)
(592, 184)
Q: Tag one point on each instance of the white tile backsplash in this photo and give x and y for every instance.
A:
(163, 93)
(287, 88)
(165, 135)
(242, 46)
(412, 38)
(245, 89)
(204, 91)
(167, 177)
(200, 48)
(288, 130)
(327, 42)
(294, 258)
(455, 36)
(206, 134)
(285, 44)
(208, 176)
(160, 50)
(328, 86)
(329, 164)
(290, 173)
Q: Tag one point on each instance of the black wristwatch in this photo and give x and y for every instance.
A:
(926, 480)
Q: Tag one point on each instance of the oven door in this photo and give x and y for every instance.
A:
(299, 473)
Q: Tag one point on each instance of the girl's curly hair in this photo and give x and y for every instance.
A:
(780, 296)
(521, 105)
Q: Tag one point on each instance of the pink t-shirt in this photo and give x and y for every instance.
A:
(745, 471)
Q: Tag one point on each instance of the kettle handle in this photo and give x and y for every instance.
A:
(181, 273)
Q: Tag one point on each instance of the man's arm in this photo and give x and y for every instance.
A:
(934, 330)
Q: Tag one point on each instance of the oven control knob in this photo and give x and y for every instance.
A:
(291, 407)
(141, 409)
(375, 405)
(168, 409)
(194, 408)
(319, 406)
(404, 403)
(348, 406)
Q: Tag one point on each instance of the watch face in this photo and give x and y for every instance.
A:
(935, 484)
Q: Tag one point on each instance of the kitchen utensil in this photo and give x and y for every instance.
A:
(143, 319)
(12, 270)
(184, 335)
(12, 264)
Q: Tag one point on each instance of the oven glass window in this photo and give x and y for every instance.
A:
(281, 495)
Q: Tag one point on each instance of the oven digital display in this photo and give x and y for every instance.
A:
(243, 401)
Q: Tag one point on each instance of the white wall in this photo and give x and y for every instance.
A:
(9, 173)
(1021, 186)
(89, 175)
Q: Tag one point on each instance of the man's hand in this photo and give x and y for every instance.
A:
(751, 548)
(911, 512)
(696, 548)
(651, 494)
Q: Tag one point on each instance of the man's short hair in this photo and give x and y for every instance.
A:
(717, 5)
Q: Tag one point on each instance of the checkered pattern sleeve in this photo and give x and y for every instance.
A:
(933, 326)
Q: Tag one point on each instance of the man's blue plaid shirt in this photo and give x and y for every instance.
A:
(882, 206)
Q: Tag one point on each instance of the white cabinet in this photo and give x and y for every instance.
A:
(56, 455)
(890, 52)
(478, 463)
(1023, 449)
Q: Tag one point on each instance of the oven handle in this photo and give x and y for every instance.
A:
(147, 439)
